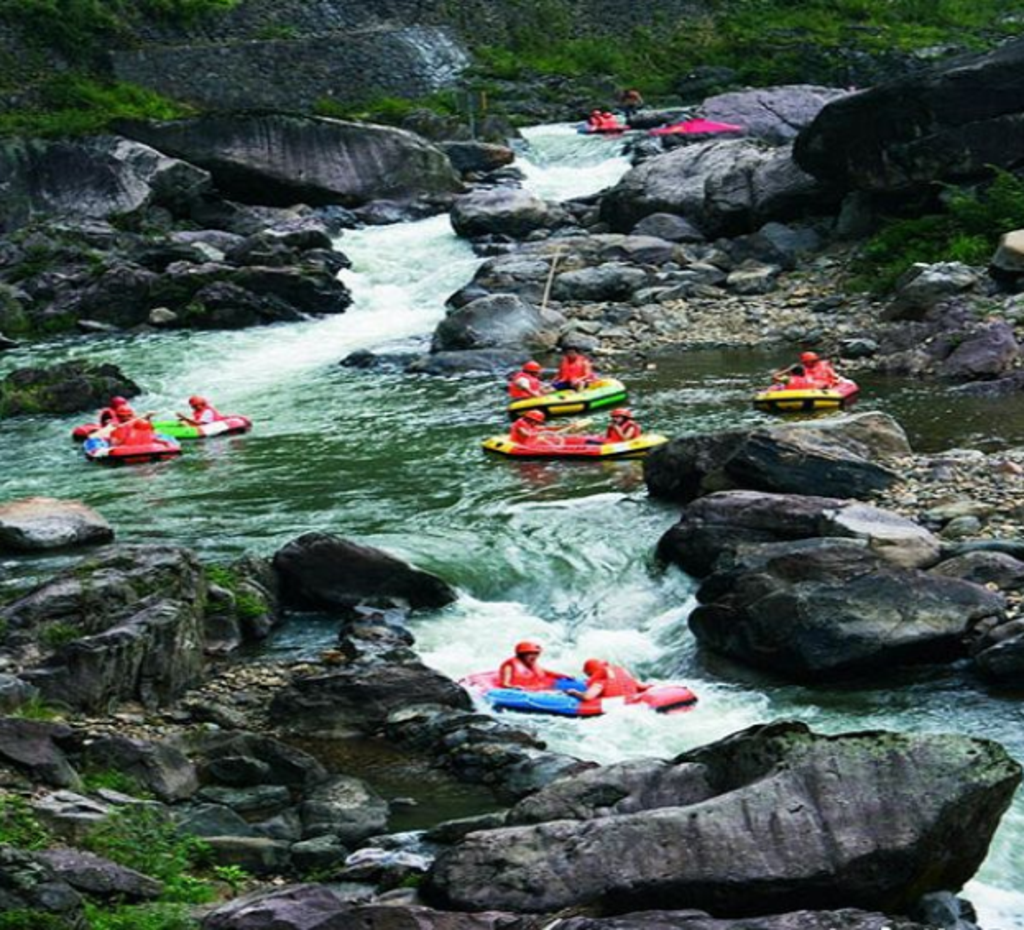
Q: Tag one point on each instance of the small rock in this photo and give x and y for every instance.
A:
(162, 316)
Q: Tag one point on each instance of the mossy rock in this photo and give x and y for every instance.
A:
(64, 388)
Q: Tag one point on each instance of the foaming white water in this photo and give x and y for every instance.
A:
(560, 163)
(401, 276)
(475, 636)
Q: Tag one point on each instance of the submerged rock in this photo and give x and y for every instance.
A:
(776, 830)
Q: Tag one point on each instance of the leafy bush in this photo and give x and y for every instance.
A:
(19, 826)
(78, 105)
(967, 232)
(113, 780)
(59, 634)
(140, 917)
(25, 919)
(144, 838)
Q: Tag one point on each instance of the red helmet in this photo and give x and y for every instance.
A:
(531, 366)
(808, 357)
(536, 415)
(195, 401)
(593, 666)
(118, 401)
(528, 645)
(622, 412)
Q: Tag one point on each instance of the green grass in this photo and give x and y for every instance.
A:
(75, 105)
(81, 29)
(113, 780)
(140, 917)
(59, 634)
(25, 919)
(36, 709)
(764, 41)
(967, 231)
(146, 840)
(19, 826)
(387, 110)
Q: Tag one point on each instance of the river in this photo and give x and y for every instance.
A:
(559, 552)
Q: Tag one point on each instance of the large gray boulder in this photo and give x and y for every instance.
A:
(838, 457)
(319, 571)
(986, 353)
(842, 919)
(31, 893)
(276, 158)
(816, 609)
(612, 281)
(135, 616)
(315, 907)
(100, 878)
(38, 749)
(492, 322)
(346, 808)
(360, 699)
(776, 830)
(158, 767)
(35, 523)
(722, 523)
(504, 211)
(94, 177)
(952, 122)
(772, 114)
(724, 187)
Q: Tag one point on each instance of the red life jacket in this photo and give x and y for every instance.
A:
(821, 373)
(800, 383)
(525, 385)
(577, 369)
(617, 682)
(523, 431)
(623, 432)
(523, 676)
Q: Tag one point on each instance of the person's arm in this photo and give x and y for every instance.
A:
(591, 694)
(505, 675)
(782, 374)
(185, 419)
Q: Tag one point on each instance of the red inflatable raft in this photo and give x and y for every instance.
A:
(551, 698)
(697, 127)
(155, 450)
(230, 425)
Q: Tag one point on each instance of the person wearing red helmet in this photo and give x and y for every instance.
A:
(526, 382)
(818, 370)
(523, 669)
(119, 411)
(202, 412)
(605, 680)
(576, 371)
(623, 427)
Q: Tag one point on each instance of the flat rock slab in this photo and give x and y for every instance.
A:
(37, 523)
(100, 877)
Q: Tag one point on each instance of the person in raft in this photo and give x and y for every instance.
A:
(575, 372)
(119, 411)
(594, 121)
(630, 101)
(526, 382)
(132, 431)
(623, 427)
(529, 430)
(605, 680)
(523, 669)
(816, 369)
(202, 412)
(797, 381)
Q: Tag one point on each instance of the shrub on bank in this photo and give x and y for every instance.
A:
(968, 230)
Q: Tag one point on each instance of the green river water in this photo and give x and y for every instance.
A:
(561, 552)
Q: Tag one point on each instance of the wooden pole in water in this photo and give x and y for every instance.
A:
(551, 278)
